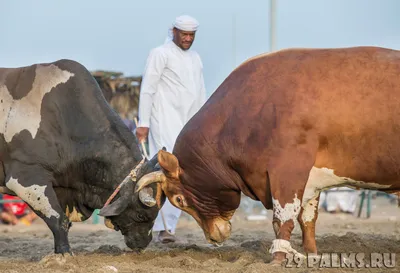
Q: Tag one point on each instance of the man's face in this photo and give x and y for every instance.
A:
(184, 39)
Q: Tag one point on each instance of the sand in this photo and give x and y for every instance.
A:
(99, 249)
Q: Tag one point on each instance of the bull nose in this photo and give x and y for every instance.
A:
(221, 232)
(225, 229)
(137, 244)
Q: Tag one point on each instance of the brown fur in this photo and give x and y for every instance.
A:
(278, 115)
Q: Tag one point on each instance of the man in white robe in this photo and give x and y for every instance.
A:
(341, 199)
(172, 91)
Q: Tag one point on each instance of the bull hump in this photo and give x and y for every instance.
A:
(17, 115)
(19, 81)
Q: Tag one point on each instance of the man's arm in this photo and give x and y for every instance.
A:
(154, 68)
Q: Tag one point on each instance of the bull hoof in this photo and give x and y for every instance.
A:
(166, 238)
(59, 261)
(275, 262)
(279, 259)
(63, 249)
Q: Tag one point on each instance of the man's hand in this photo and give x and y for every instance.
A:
(142, 133)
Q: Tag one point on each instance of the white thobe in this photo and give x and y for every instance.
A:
(172, 91)
(343, 198)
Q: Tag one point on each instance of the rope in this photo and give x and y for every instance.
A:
(148, 158)
(131, 177)
(280, 245)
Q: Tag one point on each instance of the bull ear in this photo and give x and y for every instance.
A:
(114, 208)
(169, 163)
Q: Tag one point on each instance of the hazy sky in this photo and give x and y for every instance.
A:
(117, 35)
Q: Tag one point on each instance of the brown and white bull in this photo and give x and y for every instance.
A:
(281, 128)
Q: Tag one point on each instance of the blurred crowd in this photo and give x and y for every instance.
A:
(14, 211)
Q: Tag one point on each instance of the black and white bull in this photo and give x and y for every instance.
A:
(64, 151)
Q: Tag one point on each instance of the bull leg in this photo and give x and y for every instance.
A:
(287, 177)
(285, 212)
(307, 218)
(33, 185)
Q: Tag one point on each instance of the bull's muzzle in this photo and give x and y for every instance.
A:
(219, 231)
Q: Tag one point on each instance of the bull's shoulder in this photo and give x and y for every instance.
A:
(27, 72)
(75, 68)
(299, 54)
(20, 81)
(71, 66)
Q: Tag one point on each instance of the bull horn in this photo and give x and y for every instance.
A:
(146, 198)
(154, 177)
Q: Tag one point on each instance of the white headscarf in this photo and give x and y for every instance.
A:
(183, 22)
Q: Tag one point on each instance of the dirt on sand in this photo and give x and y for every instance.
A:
(99, 249)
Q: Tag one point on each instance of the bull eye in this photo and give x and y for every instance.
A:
(179, 200)
(140, 218)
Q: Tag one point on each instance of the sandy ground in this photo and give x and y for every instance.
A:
(98, 249)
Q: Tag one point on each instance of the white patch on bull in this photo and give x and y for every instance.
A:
(322, 179)
(24, 114)
(34, 196)
(309, 210)
(289, 212)
(150, 231)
